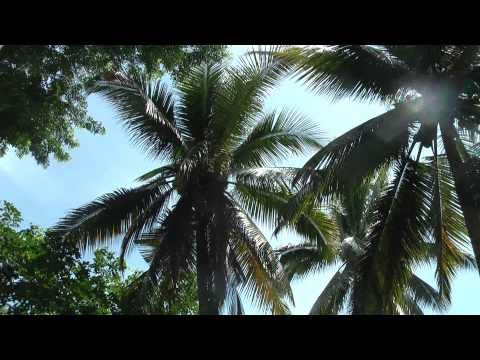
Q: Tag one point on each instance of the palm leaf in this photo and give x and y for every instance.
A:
(262, 192)
(267, 199)
(147, 110)
(242, 95)
(423, 294)
(96, 223)
(265, 281)
(198, 92)
(332, 298)
(355, 155)
(144, 222)
(416, 57)
(305, 259)
(395, 241)
(164, 172)
(359, 71)
(409, 306)
(173, 250)
(448, 227)
(274, 137)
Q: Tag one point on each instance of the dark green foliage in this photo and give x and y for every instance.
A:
(43, 89)
(40, 274)
(436, 94)
(394, 244)
(142, 296)
(384, 232)
(195, 213)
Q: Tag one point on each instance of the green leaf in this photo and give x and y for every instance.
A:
(146, 109)
(274, 137)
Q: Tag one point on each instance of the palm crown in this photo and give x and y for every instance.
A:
(354, 214)
(195, 213)
(434, 94)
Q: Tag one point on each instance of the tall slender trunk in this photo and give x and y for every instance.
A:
(202, 281)
(207, 303)
(211, 246)
(220, 248)
(471, 213)
(369, 302)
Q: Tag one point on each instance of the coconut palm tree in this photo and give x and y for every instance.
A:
(210, 132)
(434, 92)
(356, 215)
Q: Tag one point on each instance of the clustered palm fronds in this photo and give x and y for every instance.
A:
(367, 199)
(357, 215)
(434, 94)
(195, 213)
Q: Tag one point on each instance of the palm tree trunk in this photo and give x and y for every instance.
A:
(206, 301)
(471, 213)
(220, 248)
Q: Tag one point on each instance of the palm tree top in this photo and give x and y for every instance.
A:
(197, 212)
(356, 218)
(433, 91)
(388, 73)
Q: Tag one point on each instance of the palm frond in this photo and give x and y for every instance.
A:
(274, 137)
(425, 295)
(301, 260)
(144, 222)
(377, 188)
(173, 240)
(354, 210)
(361, 151)
(468, 262)
(267, 199)
(265, 282)
(463, 57)
(269, 178)
(96, 223)
(164, 172)
(262, 192)
(409, 306)
(191, 163)
(395, 241)
(233, 303)
(448, 227)
(333, 296)
(198, 94)
(146, 109)
(416, 57)
(361, 72)
(315, 226)
(242, 95)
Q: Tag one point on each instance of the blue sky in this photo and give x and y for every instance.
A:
(104, 163)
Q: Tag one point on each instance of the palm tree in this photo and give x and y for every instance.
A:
(210, 132)
(434, 91)
(355, 216)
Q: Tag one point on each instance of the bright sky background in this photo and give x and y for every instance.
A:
(104, 163)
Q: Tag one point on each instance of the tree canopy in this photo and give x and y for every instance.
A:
(195, 213)
(434, 95)
(368, 199)
(43, 275)
(43, 89)
(358, 216)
